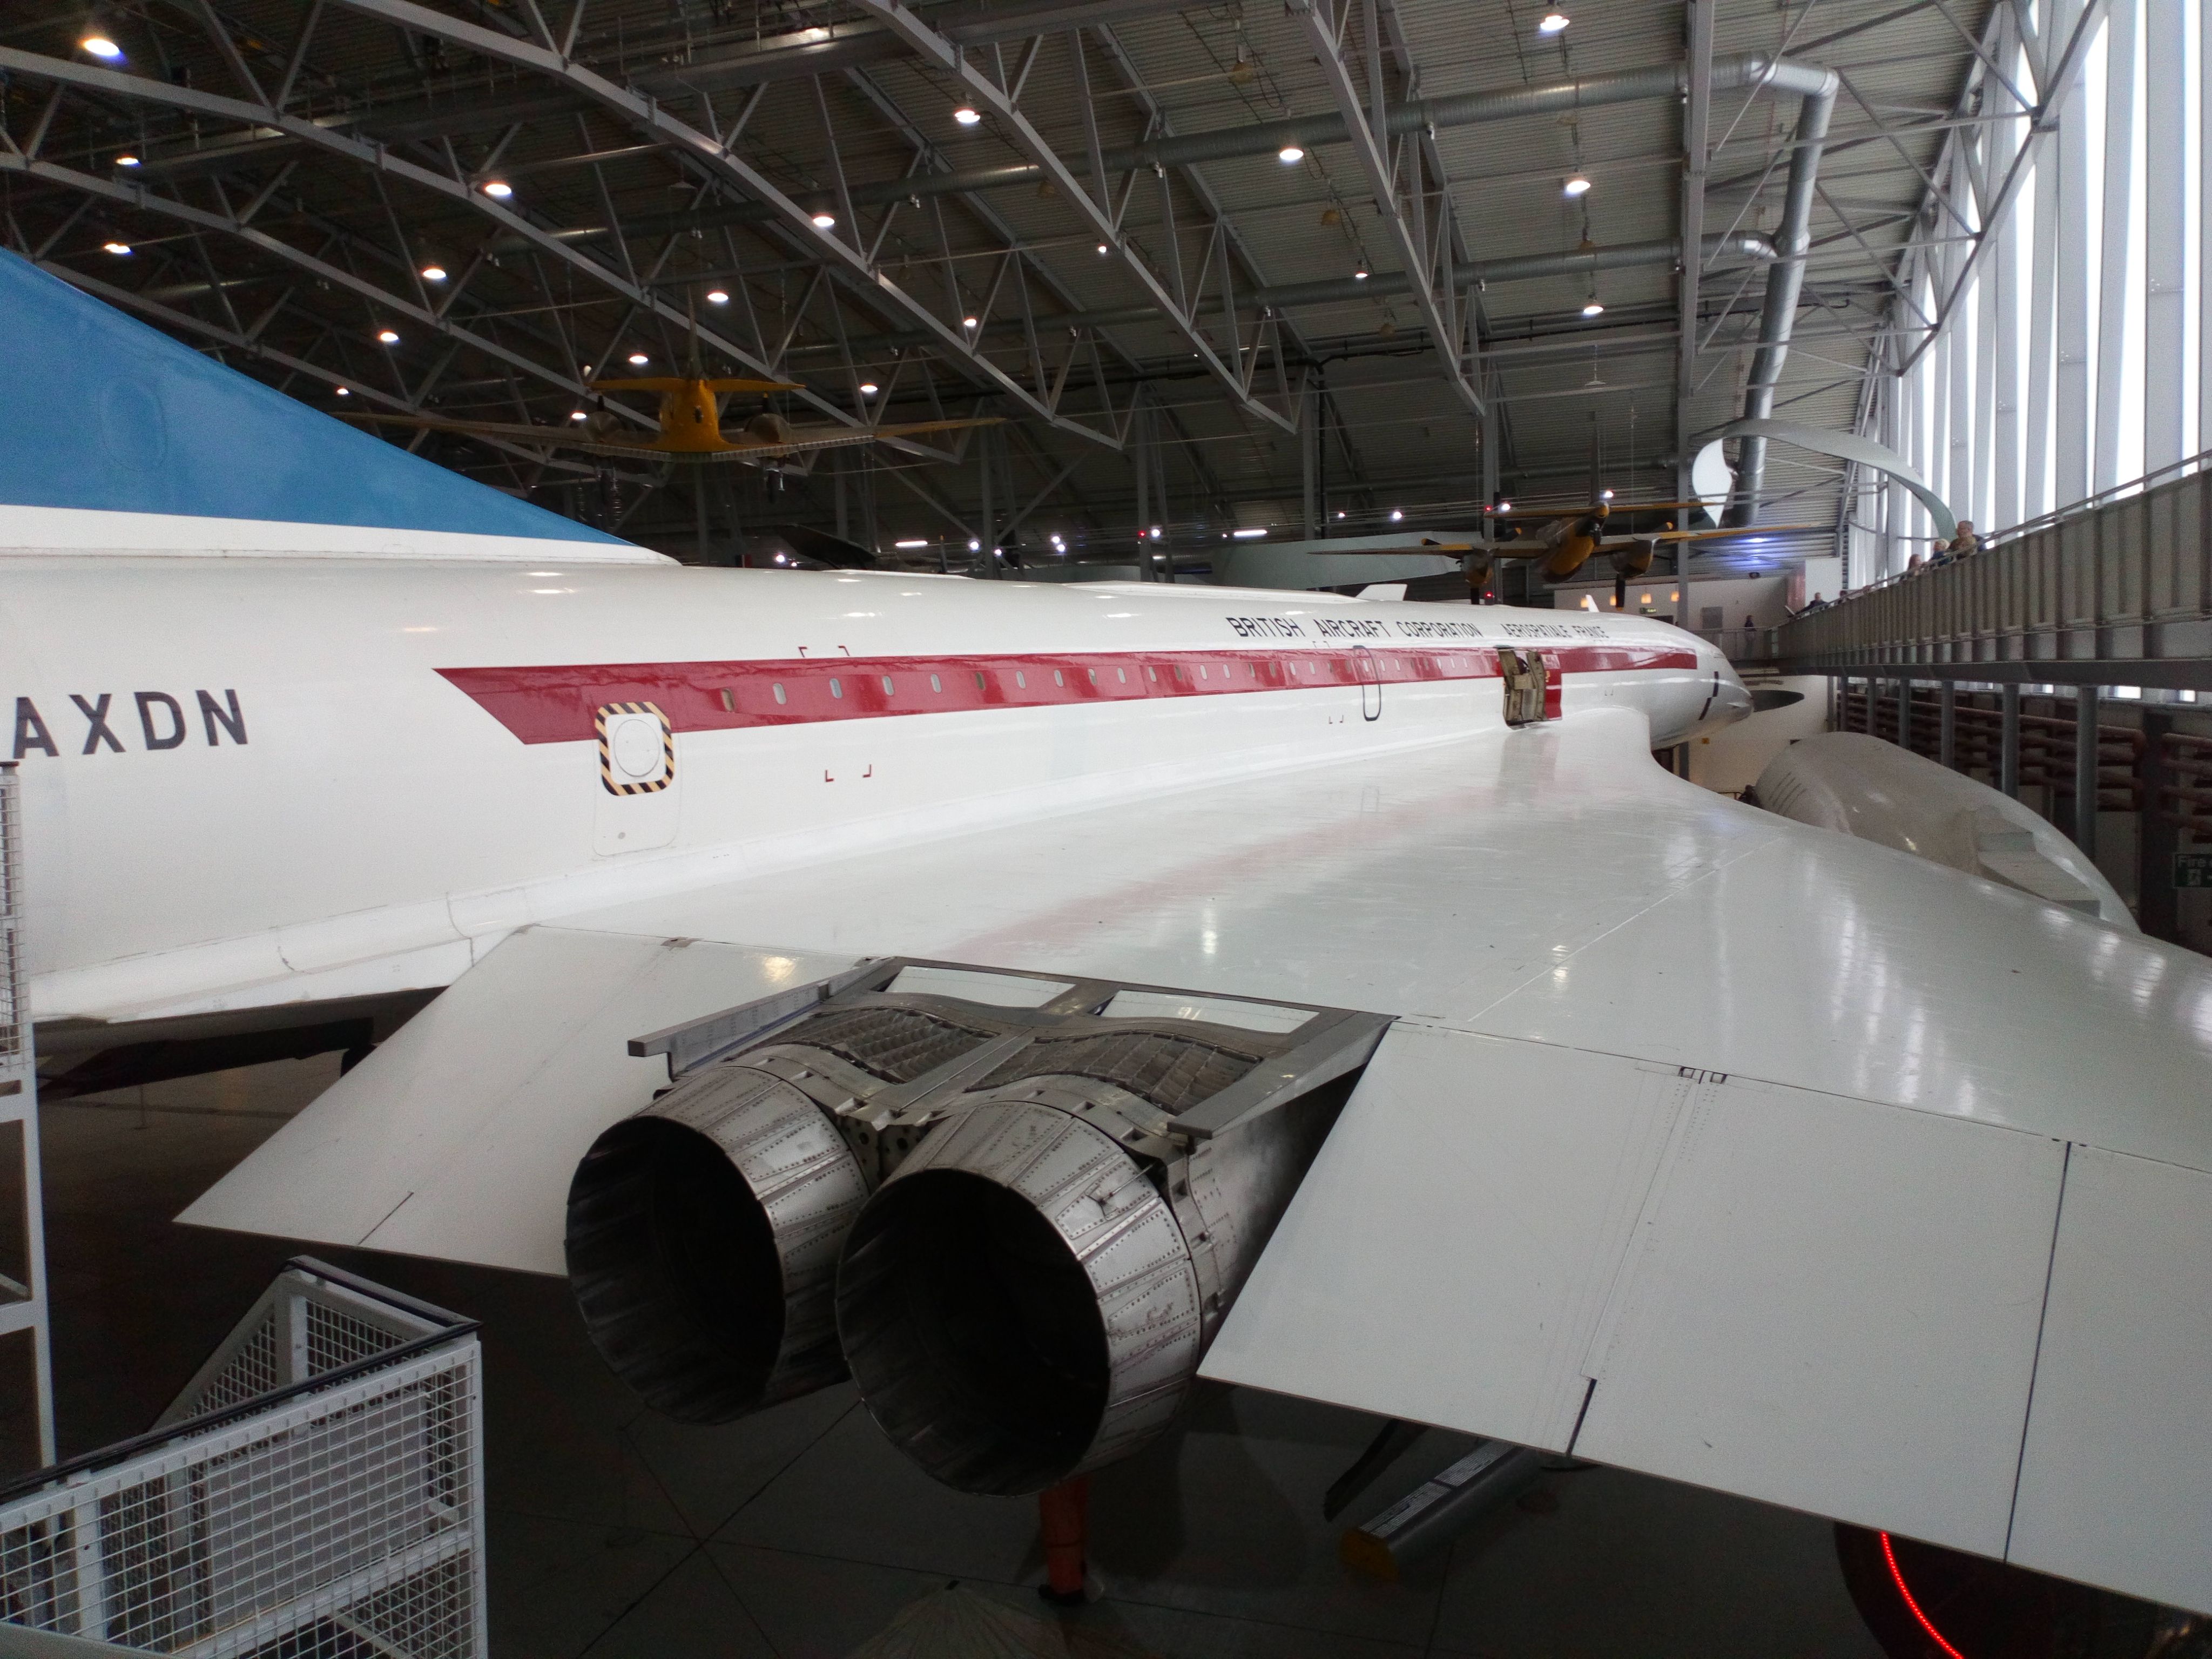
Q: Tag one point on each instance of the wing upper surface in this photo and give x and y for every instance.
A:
(1706, 1143)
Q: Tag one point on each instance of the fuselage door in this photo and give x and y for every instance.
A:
(1371, 681)
(635, 785)
(1527, 681)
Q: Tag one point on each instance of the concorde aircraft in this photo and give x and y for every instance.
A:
(1072, 992)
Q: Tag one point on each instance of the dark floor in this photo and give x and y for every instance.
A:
(613, 1532)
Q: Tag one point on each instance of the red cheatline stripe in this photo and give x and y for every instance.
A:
(1896, 1577)
(557, 704)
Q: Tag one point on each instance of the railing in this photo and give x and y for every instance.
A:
(2123, 577)
(316, 1489)
(26, 1349)
(1739, 644)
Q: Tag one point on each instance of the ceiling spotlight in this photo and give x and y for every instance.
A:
(716, 296)
(1360, 275)
(638, 360)
(825, 222)
(1605, 495)
(974, 546)
(386, 337)
(1505, 507)
(965, 116)
(967, 322)
(578, 414)
(1103, 250)
(1156, 532)
(1395, 515)
(117, 248)
(434, 273)
(102, 47)
(1340, 512)
(1591, 308)
(1578, 185)
(1246, 535)
(1552, 22)
(912, 543)
(498, 189)
(126, 160)
(1290, 154)
(345, 391)
(868, 388)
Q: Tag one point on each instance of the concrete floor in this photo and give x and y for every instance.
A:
(799, 1533)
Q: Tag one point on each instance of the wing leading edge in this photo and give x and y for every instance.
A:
(1727, 1149)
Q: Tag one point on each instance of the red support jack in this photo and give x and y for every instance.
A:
(1062, 1514)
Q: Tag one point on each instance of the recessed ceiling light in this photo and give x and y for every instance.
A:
(825, 222)
(1290, 154)
(387, 337)
(345, 391)
(1102, 248)
(965, 116)
(126, 160)
(967, 322)
(100, 47)
(716, 296)
(638, 360)
(434, 273)
(1578, 185)
(1552, 22)
(868, 388)
(1592, 308)
(498, 189)
(117, 248)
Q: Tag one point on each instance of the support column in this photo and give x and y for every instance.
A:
(1904, 713)
(2008, 743)
(25, 1334)
(983, 534)
(1063, 1519)
(837, 484)
(2085, 769)
(1309, 444)
(1946, 730)
(2156, 910)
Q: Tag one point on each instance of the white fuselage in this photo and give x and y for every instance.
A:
(326, 776)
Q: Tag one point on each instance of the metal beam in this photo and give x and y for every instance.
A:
(1236, 374)
(842, 254)
(1412, 239)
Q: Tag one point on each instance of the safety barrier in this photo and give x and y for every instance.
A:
(2047, 744)
(2121, 578)
(316, 1489)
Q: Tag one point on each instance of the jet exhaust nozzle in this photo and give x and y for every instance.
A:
(702, 1244)
(1017, 1303)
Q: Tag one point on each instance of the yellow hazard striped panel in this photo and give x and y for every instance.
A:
(615, 786)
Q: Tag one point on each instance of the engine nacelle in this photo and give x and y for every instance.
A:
(1065, 1204)
(1030, 1295)
(1634, 561)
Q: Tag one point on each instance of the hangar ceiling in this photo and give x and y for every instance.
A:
(1148, 235)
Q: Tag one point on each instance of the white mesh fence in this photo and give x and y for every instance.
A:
(337, 1518)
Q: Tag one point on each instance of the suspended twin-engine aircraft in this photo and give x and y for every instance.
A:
(1071, 991)
(690, 425)
(1560, 540)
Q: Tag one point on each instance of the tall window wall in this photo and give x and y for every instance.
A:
(2050, 331)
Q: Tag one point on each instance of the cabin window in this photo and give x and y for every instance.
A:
(836, 689)
(1021, 679)
(1152, 673)
(1058, 678)
(1123, 674)
(729, 702)
(979, 680)
(778, 689)
(935, 684)
(887, 685)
